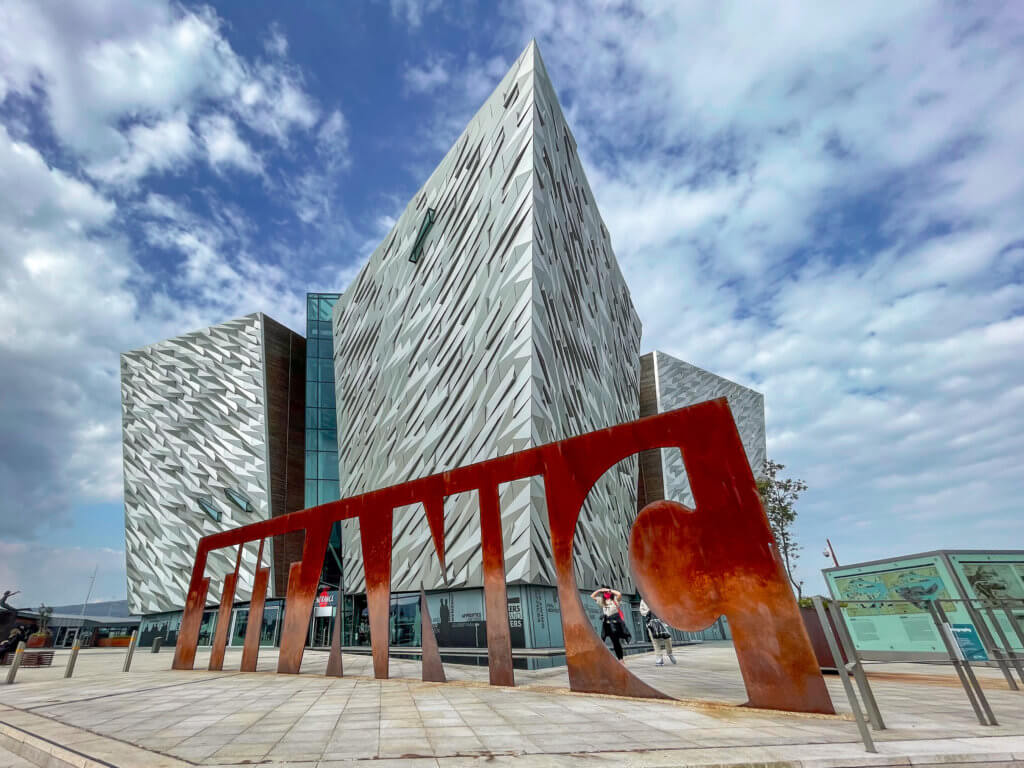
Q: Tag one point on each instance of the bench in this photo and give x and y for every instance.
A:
(29, 659)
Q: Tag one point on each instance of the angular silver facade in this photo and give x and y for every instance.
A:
(668, 383)
(198, 425)
(512, 328)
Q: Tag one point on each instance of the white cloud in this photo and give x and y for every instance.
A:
(824, 205)
(167, 145)
(412, 12)
(427, 77)
(130, 92)
(225, 147)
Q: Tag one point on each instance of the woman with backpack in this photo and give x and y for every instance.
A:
(613, 623)
(660, 636)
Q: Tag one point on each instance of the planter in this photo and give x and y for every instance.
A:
(38, 641)
(113, 642)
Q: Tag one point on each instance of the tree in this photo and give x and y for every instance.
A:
(779, 496)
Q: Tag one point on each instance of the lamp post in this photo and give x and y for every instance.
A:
(830, 552)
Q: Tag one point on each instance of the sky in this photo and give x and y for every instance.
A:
(819, 200)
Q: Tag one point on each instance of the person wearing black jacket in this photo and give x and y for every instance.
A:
(612, 623)
(659, 634)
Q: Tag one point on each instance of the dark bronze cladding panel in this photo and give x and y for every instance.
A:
(650, 485)
(286, 402)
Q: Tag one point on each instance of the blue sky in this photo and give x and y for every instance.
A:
(818, 200)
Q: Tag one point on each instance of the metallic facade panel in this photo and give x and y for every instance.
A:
(679, 384)
(195, 425)
(512, 328)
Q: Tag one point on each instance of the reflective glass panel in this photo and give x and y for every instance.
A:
(328, 440)
(326, 372)
(329, 420)
(328, 491)
(311, 306)
(310, 463)
(326, 347)
(312, 368)
(328, 466)
(311, 498)
(311, 439)
(326, 307)
(311, 390)
(311, 419)
(326, 394)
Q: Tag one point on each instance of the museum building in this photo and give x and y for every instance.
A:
(492, 318)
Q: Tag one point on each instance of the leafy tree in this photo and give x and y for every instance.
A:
(779, 495)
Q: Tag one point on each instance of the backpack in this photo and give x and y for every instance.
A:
(658, 629)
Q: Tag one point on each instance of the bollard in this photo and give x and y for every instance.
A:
(131, 651)
(73, 658)
(157, 644)
(16, 662)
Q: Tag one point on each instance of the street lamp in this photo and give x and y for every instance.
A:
(830, 552)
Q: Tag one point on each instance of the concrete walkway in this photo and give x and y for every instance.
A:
(155, 716)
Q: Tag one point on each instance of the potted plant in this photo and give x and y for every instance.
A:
(41, 637)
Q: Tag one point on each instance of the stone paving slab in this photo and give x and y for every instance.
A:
(156, 716)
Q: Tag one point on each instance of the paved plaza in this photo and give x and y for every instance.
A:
(153, 716)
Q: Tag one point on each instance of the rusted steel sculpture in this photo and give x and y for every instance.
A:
(430, 654)
(691, 565)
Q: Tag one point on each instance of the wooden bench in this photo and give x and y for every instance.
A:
(29, 659)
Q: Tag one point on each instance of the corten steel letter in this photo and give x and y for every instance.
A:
(690, 565)
(227, 601)
(693, 565)
(375, 532)
(251, 648)
(592, 667)
(303, 582)
(499, 636)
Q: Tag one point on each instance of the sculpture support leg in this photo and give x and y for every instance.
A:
(192, 618)
(375, 532)
(499, 637)
(251, 650)
(303, 581)
(433, 669)
(220, 638)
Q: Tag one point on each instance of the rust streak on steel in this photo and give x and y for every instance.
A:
(499, 637)
(430, 655)
(251, 648)
(687, 579)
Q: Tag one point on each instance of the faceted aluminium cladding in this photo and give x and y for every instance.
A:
(212, 440)
(667, 383)
(491, 319)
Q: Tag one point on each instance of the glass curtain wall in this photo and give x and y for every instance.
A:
(321, 420)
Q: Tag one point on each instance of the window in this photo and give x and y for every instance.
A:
(239, 500)
(425, 226)
(206, 505)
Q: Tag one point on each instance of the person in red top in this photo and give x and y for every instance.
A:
(612, 621)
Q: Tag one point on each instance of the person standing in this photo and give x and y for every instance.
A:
(612, 622)
(661, 638)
